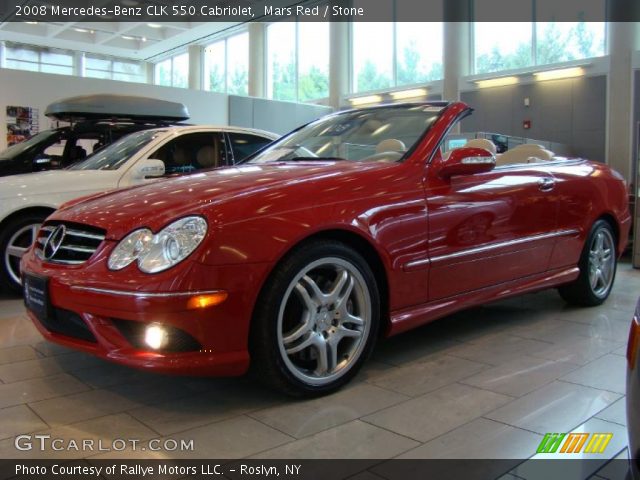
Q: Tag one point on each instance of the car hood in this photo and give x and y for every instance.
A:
(57, 181)
(221, 195)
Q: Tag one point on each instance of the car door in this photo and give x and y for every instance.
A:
(245, 144)
(489, 228)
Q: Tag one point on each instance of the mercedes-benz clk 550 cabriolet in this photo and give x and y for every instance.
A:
(26, 200)
(355, 226)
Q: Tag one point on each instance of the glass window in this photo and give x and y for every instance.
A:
(215, 67)
(561, 41)
(372, 56)
(115, 155)
(173, 72)
(502, 45)
(244, 145)
(281, 61)
(226, 65)
(180, 71)
(191, 152)
(313, 60)
(383, 134)
(511, 45)
(39, 59)
(163, 73)
(418, 52)
(238, 64)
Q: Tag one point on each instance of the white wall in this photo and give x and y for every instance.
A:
(37, 90)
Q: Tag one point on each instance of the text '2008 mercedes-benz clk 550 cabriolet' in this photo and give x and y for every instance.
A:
(355, 226)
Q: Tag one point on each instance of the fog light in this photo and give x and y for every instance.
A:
(155, 336)
(206, 300)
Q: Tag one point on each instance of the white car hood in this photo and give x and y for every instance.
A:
(58, 181)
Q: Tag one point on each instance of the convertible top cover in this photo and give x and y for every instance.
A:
(116, 106)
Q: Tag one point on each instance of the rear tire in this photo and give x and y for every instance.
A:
(316, 320)
(597, 265)
(15, 239)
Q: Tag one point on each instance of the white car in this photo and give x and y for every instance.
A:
(26, 200)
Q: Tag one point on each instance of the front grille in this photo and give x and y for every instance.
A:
(65, 322)
(68, 243)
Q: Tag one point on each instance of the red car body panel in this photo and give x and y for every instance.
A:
(441, 244)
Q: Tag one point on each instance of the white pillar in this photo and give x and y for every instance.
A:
(338, 62)
(195, 67)
(622, 40)
(257, 59)
(456, 58)
(149, 69)
(79, 64)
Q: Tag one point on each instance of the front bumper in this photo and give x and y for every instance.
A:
(95, 311)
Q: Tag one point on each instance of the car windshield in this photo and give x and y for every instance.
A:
(115, 155)
(382, 134)
(15, 150)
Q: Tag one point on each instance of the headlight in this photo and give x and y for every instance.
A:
(161, 251)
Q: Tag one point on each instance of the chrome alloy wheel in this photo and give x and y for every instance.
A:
(17, 246)
(324, 321)
(602, 262)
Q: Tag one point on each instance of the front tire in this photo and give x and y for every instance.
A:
(15, 239)
(597, 265)
(316, 320)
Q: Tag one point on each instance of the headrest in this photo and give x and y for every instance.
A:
(391, 145)
(482, 143)
(206, 157)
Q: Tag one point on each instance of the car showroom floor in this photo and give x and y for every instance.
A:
(485, 383)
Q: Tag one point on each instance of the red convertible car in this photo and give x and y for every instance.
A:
(355, 226)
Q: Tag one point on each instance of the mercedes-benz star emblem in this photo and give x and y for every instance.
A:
(52, 245)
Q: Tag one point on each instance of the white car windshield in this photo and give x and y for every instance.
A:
(115, 155)
(381, 134)
(42, 137)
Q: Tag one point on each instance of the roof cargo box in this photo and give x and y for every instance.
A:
(121, 107)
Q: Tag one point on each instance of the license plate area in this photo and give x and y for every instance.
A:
(36, 296)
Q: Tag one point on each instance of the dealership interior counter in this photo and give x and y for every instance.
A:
(292, 239)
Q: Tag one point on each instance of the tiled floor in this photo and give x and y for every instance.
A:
(485, 383)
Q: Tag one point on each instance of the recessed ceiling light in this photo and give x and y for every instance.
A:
(154, 25)
(81, 30)
(128, 37)
(144, 39)
(32, 23)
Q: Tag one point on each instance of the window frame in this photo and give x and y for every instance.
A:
(296, 62)
(353, 78)
(171, 70)
(534, 45)
(224, 40)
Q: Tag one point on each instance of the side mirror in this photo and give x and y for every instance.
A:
(149, 168)
(467, 161)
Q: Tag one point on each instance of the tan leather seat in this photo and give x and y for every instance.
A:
(529, 153)
(391, 145)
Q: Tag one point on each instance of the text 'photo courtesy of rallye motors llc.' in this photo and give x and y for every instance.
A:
(319, 239)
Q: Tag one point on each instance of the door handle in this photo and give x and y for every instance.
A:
(546, 184)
